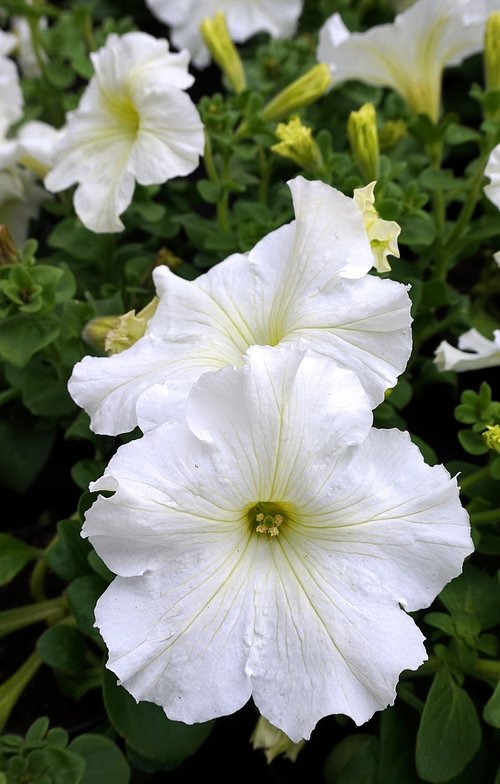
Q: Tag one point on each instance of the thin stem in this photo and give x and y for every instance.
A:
(49, 611)
(11, 689)
(467, 481)
(37, 579)
(9, 394)
(486, 668)
(488, 516)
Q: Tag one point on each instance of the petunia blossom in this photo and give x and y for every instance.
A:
(244, 19)
(11, 98)
(492, 171)
(474, 352)
(306, 281)
(409, 54)
(270, 547)
(134, 124)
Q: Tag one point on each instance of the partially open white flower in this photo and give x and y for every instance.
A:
(492, 171)
(244, 19)
(410, 54)
(383, 234)
(473, 353)
(134, 124)
(11, 98)
(306, 281)
(270, 547)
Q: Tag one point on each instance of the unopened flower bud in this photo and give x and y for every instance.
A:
(492, 437)
(215, 33)
(302, 92)
(297, 143)
(363, 138)
(492, 51)
(114, 334)
(8, 250)
(274, 742)
(383, 234)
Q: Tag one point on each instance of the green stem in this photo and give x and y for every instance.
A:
(37, 579)
(469, 205)
(466, 482)
(488, 516)
(223, 203)
(486, 668)
(265, 176)
(9, 394)
(11, 689)
(49, 611)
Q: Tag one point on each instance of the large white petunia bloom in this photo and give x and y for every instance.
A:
(410, 54)
(134, 124)
(244, 19)
(11, 98)
(474, 352)
(306, 281)
(269, 546)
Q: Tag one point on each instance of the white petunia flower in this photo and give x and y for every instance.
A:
(410, 54)
(306, 281)
(20, 199)
(492, 171)
(269, 546)
(244, 19)
(474, 352)
(134, 124)
(383, 234)
(26, 56)
(11, 98)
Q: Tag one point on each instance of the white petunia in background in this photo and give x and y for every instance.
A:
(410, 54)
(270, 546)
(134, 123)
(492, 171)
(11, 98)
(244, 18)
(307, 282)
(473, 353)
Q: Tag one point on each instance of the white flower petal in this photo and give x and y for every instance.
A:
(309, 622)
(303, 282)
(410, 54)
(11, 98)
(244, 19)
(133, 124)
(492, 170)
(474, 352)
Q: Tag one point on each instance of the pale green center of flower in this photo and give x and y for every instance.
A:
(124, 112)
(266, 517)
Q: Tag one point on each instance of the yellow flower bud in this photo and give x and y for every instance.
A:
(114, 334)
(383, 234)
(218, 41)
(297, 143)
(492, 437)
(363, 138)
(274, 742)
(302, 92)
(492, 51)
(8, 251)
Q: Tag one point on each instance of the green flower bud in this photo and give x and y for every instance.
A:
(363, 138)
(492, 51)
(274, 742)
(297, 143)
(8, 251)
(391, 133)
(302, 92)
(218, 41)
(492, 437)
(114, 334)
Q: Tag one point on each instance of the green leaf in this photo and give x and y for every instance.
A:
(449, 733)
(417, 229)
(353, 760)
(491, 711)
(104, 762)
(57, 766)
(23, 335)
(14, 555)
(474, 593)
(147, 729)
(43, 392)
(38, 729)
(63, 648)
(68, 555)
(83, 594)
(472, 442)
(398, 727)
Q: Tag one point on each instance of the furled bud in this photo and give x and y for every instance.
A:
(302, 92)
(296, 142)
(492, 51)
(274, 742)
(215, 33)
(363, 138)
